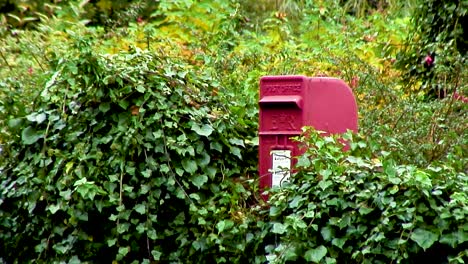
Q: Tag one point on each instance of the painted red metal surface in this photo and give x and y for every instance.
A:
(287, 103)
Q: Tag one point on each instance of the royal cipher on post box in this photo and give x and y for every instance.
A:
(288, 103)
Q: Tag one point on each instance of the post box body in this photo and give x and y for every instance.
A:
(287, 103)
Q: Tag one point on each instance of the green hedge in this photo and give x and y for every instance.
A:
(115, 160)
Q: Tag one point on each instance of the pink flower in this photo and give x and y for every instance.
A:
(429, 60)
(139, 20)
(354, 82)
(460, 97)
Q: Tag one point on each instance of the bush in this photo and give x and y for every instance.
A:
(124, 157)
(359, 207)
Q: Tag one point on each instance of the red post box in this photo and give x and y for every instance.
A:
(287, 103)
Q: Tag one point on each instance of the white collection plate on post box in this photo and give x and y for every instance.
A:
(281, 166)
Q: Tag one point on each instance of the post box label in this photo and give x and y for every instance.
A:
(281, 166)
(290, 88)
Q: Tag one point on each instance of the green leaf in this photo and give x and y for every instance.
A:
(199, 180)
(339, 242)
(140, 228)
(60, 248)
(236, 141)
(324, 184)
(275, 211)
(189, 166)
(40, 118)
(315, 255)
(156, 254)
(278, 228)
(303, 161)
(124, 251)
(423, 178)
(295, 202)
(236, 152)
(450, 239)
(224, 225)
(327, 233)
(424, 238)
(363, 210)
(74, 260)
(140, 88)
(205, 130)
(53, 208)
(216, 146)
(104, 107)
(389, 168)
(111, 242)
(14, 123)
(140, 208)
(30, 136)
(36, 117)
(180, 193)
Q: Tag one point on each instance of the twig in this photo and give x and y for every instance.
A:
(6, 62)
(120, 194)
(169, 163)
(35, 58)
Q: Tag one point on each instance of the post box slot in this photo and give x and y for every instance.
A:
(279, 100)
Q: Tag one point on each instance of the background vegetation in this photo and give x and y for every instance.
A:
(128, 132)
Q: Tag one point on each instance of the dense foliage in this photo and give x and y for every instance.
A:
(436, 49)
(362, 207)
(128, 133)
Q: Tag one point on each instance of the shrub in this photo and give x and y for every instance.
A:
(359, 207)
(124, 157)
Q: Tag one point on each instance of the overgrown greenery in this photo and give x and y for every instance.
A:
(130, 136)
(362, 207)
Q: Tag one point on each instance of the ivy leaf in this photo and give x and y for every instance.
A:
(236, 141)
(278, 228)
(275, 211)
(236, 152)
(74, 260)
(327, 233)
(140, 208)
(339, 242)
(14, 123)
(40, 118)
(315, 255)
(111, 242)
(104, 107)
(303, 161)
(189, 166)
(423, 178)
(53, 208)
(156, 254)
(124, 251)
(199, 180)
(424, 238)
(295, 202)
(224, 225)
(30, 136)
(140, 88)
(389, 168)
(205, 130)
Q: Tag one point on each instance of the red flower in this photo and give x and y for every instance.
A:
(429, 60)
(139, 20)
